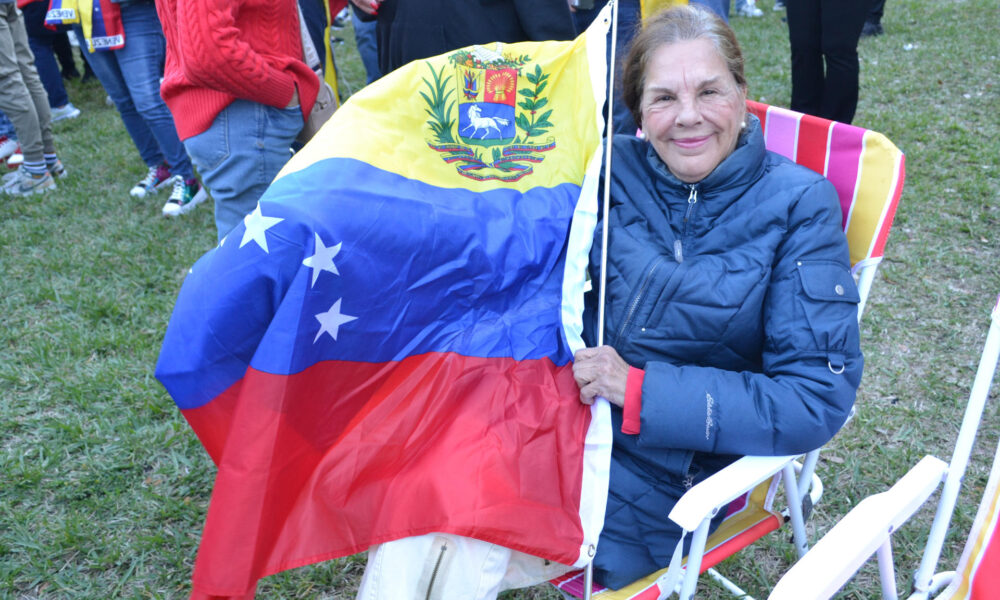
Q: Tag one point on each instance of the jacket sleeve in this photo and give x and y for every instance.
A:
(811, 362)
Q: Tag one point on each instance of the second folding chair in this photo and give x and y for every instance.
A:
(867, 529)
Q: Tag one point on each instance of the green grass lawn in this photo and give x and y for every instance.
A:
(104, 488)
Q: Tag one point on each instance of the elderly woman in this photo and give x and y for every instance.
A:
(731, 319)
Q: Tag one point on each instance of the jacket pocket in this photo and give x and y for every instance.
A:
(828, 281)
(828, 304)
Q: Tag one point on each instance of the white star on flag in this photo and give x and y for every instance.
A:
(331, 320)
(322, 260)
(257, 224)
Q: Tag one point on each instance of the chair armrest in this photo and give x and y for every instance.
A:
(841, 552)
(705, 499)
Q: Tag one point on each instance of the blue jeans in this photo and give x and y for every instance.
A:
(7, 128)
(364, 37)
(131, 77)
(41, 41)
(240, 154)
(719, 7)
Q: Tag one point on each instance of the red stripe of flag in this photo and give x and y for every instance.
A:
(342, 446)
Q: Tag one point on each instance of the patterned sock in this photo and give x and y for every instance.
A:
(51, 158)
(35, 168)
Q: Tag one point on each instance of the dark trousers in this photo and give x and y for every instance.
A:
(824, 38)
(875, 11)
(41, 41)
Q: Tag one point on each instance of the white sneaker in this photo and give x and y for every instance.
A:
(66, 111)
(748, 8)
(25, 184)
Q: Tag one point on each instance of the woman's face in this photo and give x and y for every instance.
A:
(692, 108)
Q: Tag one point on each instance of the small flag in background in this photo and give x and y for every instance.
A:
(101, 21)
(382, 349)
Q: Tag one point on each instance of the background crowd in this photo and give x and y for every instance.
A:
(105, 489)
(224, 90)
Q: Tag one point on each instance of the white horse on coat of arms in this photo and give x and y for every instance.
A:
(477, 121)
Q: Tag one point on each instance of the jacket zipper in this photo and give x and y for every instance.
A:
(642, 291)
(692, 200)
(678, 244)
(434, 573)
(689, 476)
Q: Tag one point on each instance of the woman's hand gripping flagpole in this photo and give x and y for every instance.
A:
(600, 373)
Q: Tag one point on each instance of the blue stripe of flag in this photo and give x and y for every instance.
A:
(420, 268)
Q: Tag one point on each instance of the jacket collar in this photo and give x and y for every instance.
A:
(741, 169)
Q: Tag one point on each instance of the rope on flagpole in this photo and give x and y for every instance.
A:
(588, 573)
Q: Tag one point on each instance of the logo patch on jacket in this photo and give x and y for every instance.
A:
(709, 403)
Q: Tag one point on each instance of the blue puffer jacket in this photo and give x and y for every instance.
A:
(735, 296)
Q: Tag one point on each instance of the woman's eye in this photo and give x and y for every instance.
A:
(709, 92)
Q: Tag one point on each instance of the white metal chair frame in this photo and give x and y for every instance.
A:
(868, 527)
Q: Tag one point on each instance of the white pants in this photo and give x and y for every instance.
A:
(441, 566)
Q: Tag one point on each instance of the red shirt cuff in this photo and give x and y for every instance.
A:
(633, 401)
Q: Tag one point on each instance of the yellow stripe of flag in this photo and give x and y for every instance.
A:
(512, 116)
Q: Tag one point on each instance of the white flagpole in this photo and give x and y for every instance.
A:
(588, 574)
(607, 173)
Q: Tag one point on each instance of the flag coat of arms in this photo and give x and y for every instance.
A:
(383, 347)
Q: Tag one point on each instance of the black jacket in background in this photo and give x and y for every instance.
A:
(409, 30)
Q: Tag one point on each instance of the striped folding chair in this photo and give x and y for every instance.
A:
(867, 528)
(868, 172)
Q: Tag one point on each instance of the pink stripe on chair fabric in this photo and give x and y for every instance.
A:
(844, 164)
(782, 132)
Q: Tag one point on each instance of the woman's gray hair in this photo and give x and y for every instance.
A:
(678, 24)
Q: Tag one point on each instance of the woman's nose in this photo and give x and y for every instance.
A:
(688, 112)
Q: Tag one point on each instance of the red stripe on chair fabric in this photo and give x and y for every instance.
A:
(886, 225)
(740, 541)
(813, 143)
(759, 110)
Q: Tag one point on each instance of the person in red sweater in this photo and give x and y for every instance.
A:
(239, 91)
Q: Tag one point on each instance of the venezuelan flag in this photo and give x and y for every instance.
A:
(382, 349)
(62, 12)
(101, 21)
(649, 8)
